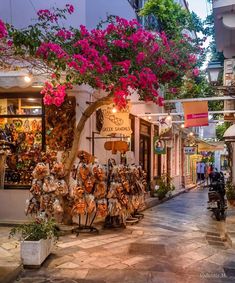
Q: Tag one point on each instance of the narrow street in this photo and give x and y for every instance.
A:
(177, 241)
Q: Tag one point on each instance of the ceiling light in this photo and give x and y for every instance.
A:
(114, 110)
(27, 78)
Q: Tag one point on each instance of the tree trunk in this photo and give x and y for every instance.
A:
(80, 126)
(67, 219)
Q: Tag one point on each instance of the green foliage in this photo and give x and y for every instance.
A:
(35, 231)
(172, 18)
(220, 130)
(230, 191)
(165, 186)
(209, 30)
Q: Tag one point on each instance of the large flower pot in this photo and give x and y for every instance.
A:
(33, 253)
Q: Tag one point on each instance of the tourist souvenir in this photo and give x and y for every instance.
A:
(40, 171)
(58, 170)
(61, 188)
(102, 208)
(79, 208)
(89, 184)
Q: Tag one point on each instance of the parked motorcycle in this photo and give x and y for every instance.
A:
(217, 203)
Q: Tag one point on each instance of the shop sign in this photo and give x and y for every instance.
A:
(159, 145)
(116, 123)
(165, 125)
(195, 113)
(190, 150)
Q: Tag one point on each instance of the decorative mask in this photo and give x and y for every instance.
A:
(84, 171)
(89, 183)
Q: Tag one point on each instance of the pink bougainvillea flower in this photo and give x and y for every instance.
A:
(47, 15)
(64, 34)
(47, 48)
(196, 72)
(3, 30)
(70, 8)
(53, 94)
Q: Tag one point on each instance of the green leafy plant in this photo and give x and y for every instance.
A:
(36, 230)
(165, 186)
(171, 16)
(230, 191)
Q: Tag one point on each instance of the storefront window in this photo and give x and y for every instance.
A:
(21, 135)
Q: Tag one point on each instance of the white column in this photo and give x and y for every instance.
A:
(152, 153)
(137, 140)
(233, 163)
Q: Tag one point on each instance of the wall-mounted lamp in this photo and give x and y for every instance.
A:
(114, 110)
(28, 78)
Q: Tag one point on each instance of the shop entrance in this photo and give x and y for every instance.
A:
(168, 160)
(145, 154)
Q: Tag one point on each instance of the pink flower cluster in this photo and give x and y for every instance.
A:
(47, 15)
(47, 49)
(53, 94)
(70, 8)
(64, 34)
(3, 30)
(121, 58)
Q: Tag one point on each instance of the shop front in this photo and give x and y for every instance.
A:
(32, 134)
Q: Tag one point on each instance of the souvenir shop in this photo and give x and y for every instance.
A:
(32, 138)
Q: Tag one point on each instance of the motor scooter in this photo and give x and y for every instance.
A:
(217, 203)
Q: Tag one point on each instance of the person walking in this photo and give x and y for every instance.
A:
(202, 170)
(198, 169)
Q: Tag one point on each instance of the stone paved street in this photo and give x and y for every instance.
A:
(177, 241)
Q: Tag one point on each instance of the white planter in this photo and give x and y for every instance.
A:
(35, 252)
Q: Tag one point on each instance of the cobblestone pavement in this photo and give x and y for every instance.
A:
(177, 241)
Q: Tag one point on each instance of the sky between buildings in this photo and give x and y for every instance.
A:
(200, 7)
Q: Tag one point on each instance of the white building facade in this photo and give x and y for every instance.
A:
(90, 13)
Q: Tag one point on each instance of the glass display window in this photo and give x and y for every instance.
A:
(22, 129)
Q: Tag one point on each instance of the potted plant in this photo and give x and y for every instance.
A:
(165, 186)
(36, 240)
(230, 193)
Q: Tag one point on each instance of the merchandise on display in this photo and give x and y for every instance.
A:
(114, 193)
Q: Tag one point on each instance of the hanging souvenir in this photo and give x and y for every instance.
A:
(78, 191)
(38, 138)
(83, 171)
(40, 171)
(49, 184)
(100, 190)
(34, 125)
(36, 188)
(89, 184)
(91, 204)
(32, 207)
(26, 126)
(102, 208)
(46, 204)
(18, 124)
(58, 211)
(79, 208)
(58, 170)
(61, 188)
(30, 139)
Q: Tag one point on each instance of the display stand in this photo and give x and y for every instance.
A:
(85, 228)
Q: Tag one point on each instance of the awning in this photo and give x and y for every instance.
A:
(204, 146)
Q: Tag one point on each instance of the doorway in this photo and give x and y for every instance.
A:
(145, 154)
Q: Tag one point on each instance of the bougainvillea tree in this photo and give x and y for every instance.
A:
(118, 59)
